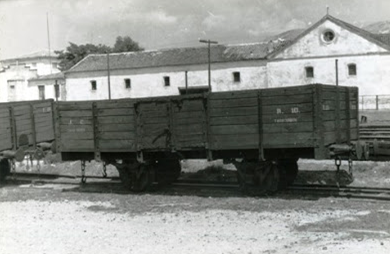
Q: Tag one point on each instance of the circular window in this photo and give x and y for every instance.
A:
(328, 36)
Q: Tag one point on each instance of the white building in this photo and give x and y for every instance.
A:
(15, 73)
(363, 60)
(167, 72)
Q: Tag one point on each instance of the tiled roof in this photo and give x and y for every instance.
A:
(34, 55)
(59, 75)
(172, 57)
(385, 38)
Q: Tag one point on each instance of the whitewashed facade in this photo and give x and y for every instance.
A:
(152, 82)
(15, 74)
(363, 60)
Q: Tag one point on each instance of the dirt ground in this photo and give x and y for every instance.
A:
(64, 219)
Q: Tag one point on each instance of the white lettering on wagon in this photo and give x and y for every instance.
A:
(286, 120)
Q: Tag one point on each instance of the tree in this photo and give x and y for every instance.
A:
(125, 44)
(74, 53)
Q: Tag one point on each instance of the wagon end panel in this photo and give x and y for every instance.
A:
(233, 120)
(340, 114)
(288, 117)
(5, 128)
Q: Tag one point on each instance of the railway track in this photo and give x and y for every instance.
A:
(371, 193)
(113, 184)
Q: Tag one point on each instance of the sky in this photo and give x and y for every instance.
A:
(157, 24)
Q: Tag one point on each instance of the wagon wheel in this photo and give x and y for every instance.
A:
(5, 169)
(125, 175)
(288, 172)
(135, 176)
(167, 170)
(270, 182)
(142, 178)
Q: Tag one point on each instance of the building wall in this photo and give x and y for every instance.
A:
(150, 81)
(372, 77)
(23, 70)
(344, 43)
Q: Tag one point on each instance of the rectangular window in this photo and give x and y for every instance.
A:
(127, 83)
(93, 84)
(352, 69)
(236, 76)
(167, 81)
(309, 72)
(41, 90)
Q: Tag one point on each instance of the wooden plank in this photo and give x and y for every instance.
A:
(4, 124)
(286, 99)
(152, 106)
(44, 104)
(42, 137)
(116, 119)
(330, 137)
(287, 127)
(304, 139)
(233, 94)
(222, 142)
(196, 127)
(23, 117)
(75, 145)
(193, 115)
(290, 90)
(45, 129)
(21, 110)
(227, 120)
(233, 102)
(75, 120)
(154, 128)
(330, 115)
(77, 135)
(80, 113)
(154, 120)
(235, 129)
(127, 145)
(189, 121)
(4, 113)
(153, 114)
(288, 118)
(129, 104)
(23, 122)
(116, 112)
(127, 135)
(74, 106)
(116, 127)
(188, 106)
(76, 128)
(331, 125)
(243, 111)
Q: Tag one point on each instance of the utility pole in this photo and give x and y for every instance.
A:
(209, 42)
(48, 41)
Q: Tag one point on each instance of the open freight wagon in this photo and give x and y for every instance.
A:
(26, 128)
(263, 132)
